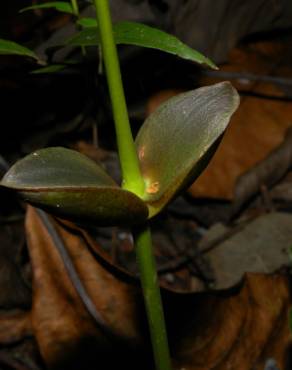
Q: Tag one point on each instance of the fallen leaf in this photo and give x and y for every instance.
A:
(258, 126)
(260, 246)
(15, 326)
(265, 173)
(237, 329)
(66, 333)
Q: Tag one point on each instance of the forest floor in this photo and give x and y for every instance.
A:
(223, 249)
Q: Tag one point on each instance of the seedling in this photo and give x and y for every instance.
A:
(173, 146)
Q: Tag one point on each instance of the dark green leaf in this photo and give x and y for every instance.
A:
(72, 186)
(138, 34)
(49, 69)
(61, 6)
(177, 141)
(87, 22)
(8, 47)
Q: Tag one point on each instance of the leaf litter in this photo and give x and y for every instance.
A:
(231, 279)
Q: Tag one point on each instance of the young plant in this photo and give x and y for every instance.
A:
(173, 146)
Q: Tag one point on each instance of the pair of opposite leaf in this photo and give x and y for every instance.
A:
(174, 145)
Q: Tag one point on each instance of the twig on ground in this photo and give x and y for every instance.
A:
(267, 172)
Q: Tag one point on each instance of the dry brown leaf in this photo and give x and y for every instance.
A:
(266, 173)
(259, 246)
(236, 331)
(256, 129)
(233, 329)
(63, 328)
(15, 327)
(258, 126)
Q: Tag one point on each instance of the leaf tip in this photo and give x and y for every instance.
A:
(208, 62)
(226, 88)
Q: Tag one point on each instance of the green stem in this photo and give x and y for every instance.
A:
(132, 179)
(75, 8)
(149, 281)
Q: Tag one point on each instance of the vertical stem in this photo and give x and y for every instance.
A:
(134, 182)
(149, 281)
(75, 8)
(132, 179)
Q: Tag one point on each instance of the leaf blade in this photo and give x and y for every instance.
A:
(138, 34)
(61, 6)
(70, 185)
(177, 141)
(142, 35)
(8, 47)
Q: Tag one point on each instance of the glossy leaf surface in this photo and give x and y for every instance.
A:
(61, 6)
(131, 33)
(8, 47)
(70, 185)
(177, 141)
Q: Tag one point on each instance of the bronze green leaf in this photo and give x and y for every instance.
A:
(177, 141)
(70, 185)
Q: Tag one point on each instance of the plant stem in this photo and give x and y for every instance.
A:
(149, 281)
(75, 8)
(132, 179)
